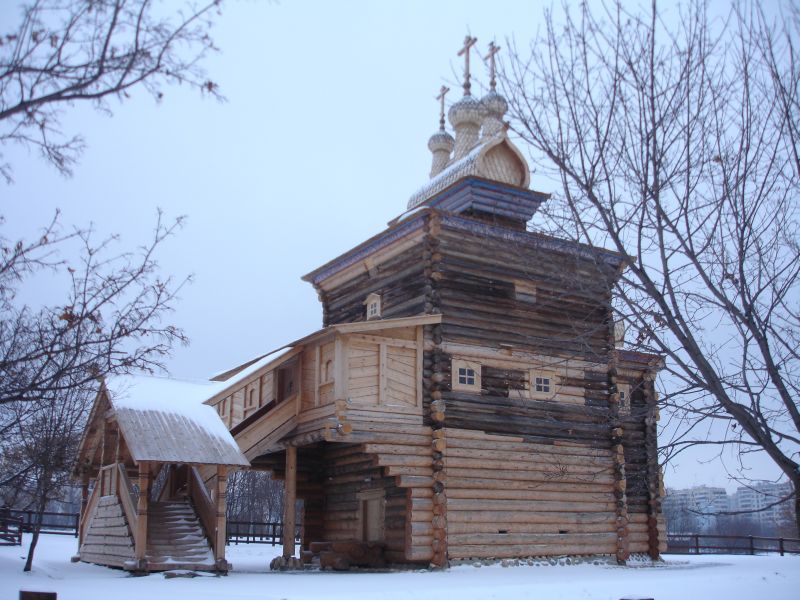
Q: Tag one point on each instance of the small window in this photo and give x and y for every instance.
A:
(525, 291)
(252, 398)
(373, 304)
(466, 375)
(543, 384)
(624, 398)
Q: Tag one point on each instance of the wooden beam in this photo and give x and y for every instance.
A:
(289, 500)
(140, 535)
(220, 500)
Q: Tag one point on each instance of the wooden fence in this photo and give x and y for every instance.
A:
(52, 522)
(15, 522)
(10, 530)
(695, 543)
(254, 532)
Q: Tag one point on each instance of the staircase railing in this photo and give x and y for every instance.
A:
(204, 505)
(160, 483)
(91, 503)
(123, 491)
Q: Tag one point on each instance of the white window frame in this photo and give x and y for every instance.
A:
(465, 370)
(373, 301)
(551, 383)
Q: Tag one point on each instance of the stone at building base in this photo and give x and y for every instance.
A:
(286, 563)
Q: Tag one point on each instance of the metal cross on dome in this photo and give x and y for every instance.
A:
(469, 42)
(493, 49)
(440, 98)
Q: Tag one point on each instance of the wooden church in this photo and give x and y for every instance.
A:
(466, 397)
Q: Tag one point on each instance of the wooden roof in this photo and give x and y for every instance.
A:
(163, 420)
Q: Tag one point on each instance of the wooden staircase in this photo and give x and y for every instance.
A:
(175, 537)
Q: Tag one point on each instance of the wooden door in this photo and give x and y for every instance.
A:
(372, 516)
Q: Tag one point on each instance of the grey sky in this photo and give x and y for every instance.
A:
(321, 142)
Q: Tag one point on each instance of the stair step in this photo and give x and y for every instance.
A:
(175, 535)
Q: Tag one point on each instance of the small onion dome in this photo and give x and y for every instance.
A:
(466, 117)
(441, 141)
(468, 110)
(441, 145)
(495, 105)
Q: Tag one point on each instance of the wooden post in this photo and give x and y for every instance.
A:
(780, 545)
(221, 490)
(289, 498)
(140, 535)
(84, 504)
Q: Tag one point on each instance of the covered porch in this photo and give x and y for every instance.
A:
(153, 464)
(339, 417)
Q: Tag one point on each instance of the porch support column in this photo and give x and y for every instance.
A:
(84, 504)
(219, 497)
(289, 501)
(140, 535)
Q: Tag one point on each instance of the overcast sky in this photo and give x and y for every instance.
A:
(320, 143)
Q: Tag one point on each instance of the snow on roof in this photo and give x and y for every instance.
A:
(460, 168)
(166, 420)
(252, 368)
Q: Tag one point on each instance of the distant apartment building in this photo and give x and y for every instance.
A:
(689, 510)
(698, 509)
(763, 499)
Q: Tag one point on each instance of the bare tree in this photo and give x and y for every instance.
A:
(675, 138)
(110, 321)
(66, 51)
(39, 450)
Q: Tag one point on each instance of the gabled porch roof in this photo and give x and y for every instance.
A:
(161, 420)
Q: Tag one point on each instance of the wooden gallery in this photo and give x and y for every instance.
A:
(466, 398)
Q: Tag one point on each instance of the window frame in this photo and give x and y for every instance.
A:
(624, 395)
(552, 384)
(458, 364)
(373, 300)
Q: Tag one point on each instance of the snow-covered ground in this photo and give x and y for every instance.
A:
(678, 578)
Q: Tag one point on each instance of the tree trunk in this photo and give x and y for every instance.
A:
(796, 483)
(37, 526)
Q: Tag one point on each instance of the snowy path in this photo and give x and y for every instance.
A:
(679, 578)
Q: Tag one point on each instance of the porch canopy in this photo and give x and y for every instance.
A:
(161, 420)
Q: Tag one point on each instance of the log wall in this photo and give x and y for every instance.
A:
(108, 538)
(492, 291)
(399, 281)
(509, 497)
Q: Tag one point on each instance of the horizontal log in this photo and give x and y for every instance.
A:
(527, 495)
(477, 482)
(495, 539)
(512, 551)
(524, 506)
(456, 527)
(563, 517)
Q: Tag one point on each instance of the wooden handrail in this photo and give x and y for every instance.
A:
(203, 505)
(91, 504)
(124, 494)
